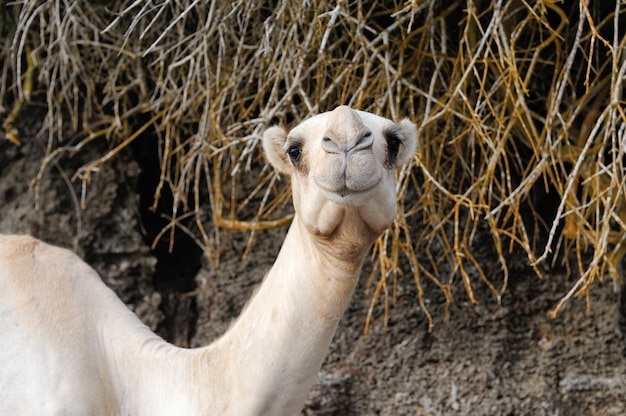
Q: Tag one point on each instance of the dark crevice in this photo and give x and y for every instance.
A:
(178, 261)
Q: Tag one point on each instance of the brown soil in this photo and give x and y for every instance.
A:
(488, 359)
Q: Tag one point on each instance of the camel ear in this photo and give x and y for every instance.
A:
(409, 141)
(274, 148)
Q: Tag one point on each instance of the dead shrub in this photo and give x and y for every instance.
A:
(516, 101)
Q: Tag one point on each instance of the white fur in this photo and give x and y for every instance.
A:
(69, 346)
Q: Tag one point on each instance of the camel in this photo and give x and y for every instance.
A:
(69, 346)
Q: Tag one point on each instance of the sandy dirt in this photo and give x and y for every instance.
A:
(488, 359)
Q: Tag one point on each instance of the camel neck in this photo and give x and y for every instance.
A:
(269, 358)
(276, 347)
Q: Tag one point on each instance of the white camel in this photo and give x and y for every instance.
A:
(69, 346)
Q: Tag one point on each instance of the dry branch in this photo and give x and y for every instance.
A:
(516, 102)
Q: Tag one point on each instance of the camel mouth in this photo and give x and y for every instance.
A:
(346, 195)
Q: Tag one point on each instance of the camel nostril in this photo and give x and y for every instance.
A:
(330, 146)
(365, 142)
(346, 145)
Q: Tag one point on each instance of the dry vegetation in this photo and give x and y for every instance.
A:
(517, 102)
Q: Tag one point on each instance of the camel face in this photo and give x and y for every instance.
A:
(342, 161)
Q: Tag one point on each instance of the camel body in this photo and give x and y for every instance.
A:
(69, 346)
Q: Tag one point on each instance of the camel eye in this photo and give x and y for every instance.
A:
(394, 140)
(393, 144)
(294, 154)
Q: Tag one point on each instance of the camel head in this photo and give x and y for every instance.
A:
(342, 162)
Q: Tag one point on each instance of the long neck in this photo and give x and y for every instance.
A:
(275, 349)
(269, 359)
